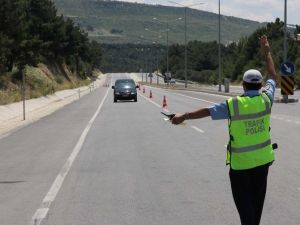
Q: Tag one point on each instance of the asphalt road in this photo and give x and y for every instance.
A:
(96, 162)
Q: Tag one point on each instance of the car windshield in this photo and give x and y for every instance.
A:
(125, 84)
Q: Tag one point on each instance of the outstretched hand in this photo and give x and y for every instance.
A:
(265, 51)
(264, 45)
(177, 119)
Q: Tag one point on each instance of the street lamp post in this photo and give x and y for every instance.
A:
(219, 53)
(185, 49)
(167, 30)
(143, 65)
(167, 47)
(285, 32)
(155, 43)
(285, 97)
(145, 50)
(23, 91)
(185, 37)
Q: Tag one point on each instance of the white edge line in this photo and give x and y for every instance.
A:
(42, 212)
(199, 99)
(5, 135)
(206, 93)
(197, 129)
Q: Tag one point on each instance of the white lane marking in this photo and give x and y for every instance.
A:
(284, 119)
(154, 103)
(197, 129)
(199, 99)
(216, 95)
(42, 212)
(197, 92)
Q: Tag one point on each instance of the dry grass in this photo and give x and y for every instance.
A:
(38, 83)
(10, 96)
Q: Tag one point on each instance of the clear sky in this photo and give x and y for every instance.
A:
(257, 10)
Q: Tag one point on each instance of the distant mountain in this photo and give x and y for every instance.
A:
(123, 22)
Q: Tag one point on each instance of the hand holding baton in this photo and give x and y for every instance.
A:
(170, 118)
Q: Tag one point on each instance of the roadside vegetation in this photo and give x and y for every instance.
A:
(50, 50)
(237, 57)
(54, 53)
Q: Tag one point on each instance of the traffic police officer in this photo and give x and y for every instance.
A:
(249, 151)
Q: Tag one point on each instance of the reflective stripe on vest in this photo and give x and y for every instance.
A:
(251, 148)
(238, 116)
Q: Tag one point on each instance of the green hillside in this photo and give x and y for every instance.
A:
(122, 22)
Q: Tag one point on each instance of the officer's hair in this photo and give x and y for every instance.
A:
(250, 86)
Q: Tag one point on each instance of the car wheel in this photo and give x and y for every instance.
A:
(115, 99)
(135, 99)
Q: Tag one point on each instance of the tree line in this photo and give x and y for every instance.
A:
(132, 57)
(236, 57)
(31, 32)
(202, 63)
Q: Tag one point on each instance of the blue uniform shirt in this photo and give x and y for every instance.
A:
(220, 111)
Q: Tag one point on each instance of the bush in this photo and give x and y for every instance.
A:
(38, 82)
(10, 96)
(59, 80)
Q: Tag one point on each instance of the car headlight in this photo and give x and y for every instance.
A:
(133, 93)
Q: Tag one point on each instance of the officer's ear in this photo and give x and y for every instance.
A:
(244, 86)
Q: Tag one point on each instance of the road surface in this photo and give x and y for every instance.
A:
(95, 162)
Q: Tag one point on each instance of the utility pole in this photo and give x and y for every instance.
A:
(185, 49)
(285, 97)
(157, 64)
(23, 91)
(220, 46)
(185, 37)
(167, 47)
(167, 22)
(285, 32)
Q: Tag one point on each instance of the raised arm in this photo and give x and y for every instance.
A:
(266, 53)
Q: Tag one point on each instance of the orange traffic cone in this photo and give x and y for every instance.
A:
(150, 94)
(143, 89)
(164, 105)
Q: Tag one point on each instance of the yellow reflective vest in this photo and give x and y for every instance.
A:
(249, 121)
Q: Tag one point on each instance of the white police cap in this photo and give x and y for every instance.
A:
(253, 77)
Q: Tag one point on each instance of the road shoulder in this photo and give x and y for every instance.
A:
(12, 115)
